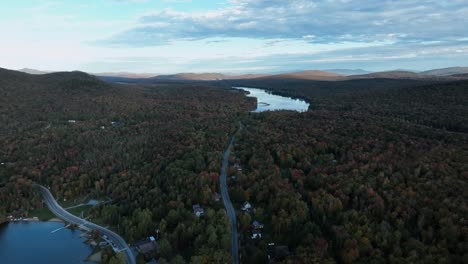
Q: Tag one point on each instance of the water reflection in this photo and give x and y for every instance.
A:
(270, 102)
(33, 242)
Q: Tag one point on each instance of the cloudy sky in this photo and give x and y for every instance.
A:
(233, 36)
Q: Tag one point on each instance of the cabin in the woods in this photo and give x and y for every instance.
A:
(256, 225)
(146, 247)
(256, 234)
(238, 167)
(216, 197)
(246, 207)
(198, 210)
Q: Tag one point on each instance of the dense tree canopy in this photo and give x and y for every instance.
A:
(383, 180)
(376, 171)
(154, 150)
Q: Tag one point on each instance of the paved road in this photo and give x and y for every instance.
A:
(228, 204)
(119, 244)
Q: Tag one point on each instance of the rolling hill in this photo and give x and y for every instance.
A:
(447, 71)
(349, 71)
(32, 71)
(204, 76)
(307, 75)
(388, 75)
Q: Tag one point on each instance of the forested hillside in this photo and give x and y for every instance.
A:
(375, 172)
(370, 175)
(155, 151)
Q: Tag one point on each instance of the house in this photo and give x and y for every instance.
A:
(145, 247)
(256, 225)
(198, 211)
(216, 197)
(237, 167)
(256, 234)
(246, 207)
(102, 244)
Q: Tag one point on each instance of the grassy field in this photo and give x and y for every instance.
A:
(77, 210)
(70, 203)
(43, 214)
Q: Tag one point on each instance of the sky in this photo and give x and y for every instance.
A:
(232, 36)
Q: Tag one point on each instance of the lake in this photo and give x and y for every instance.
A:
(271, 102)
(32, 242)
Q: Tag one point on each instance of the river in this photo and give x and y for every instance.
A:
(33, 242)
(271, 102)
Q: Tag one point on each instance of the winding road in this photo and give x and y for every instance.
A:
(117, 242)
(231, 213)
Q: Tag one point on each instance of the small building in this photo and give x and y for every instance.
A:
(197, 210)
(238, 167)
(216, 197)
(256, 234)
(115, 123)
(146, 247)
(246, 207)
(256, 225)
(152, 239)
(103, 244)
(71, 121)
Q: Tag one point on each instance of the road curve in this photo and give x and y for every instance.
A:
(119, 243)
(231, 213)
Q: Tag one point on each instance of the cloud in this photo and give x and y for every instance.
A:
(321, 21)
(376, 57)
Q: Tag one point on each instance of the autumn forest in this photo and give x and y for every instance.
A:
(376, 171)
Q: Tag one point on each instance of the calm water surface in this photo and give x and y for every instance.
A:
(32, 242)
(270, 102)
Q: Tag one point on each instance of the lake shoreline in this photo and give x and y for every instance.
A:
(269, 101)
(33, 219)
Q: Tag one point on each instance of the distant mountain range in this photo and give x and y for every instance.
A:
(388, 75)
(308, 75)
(206, 76)
(33, 71)
(348, 71)
(125, 74)
(447, 71)
(328, 75)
